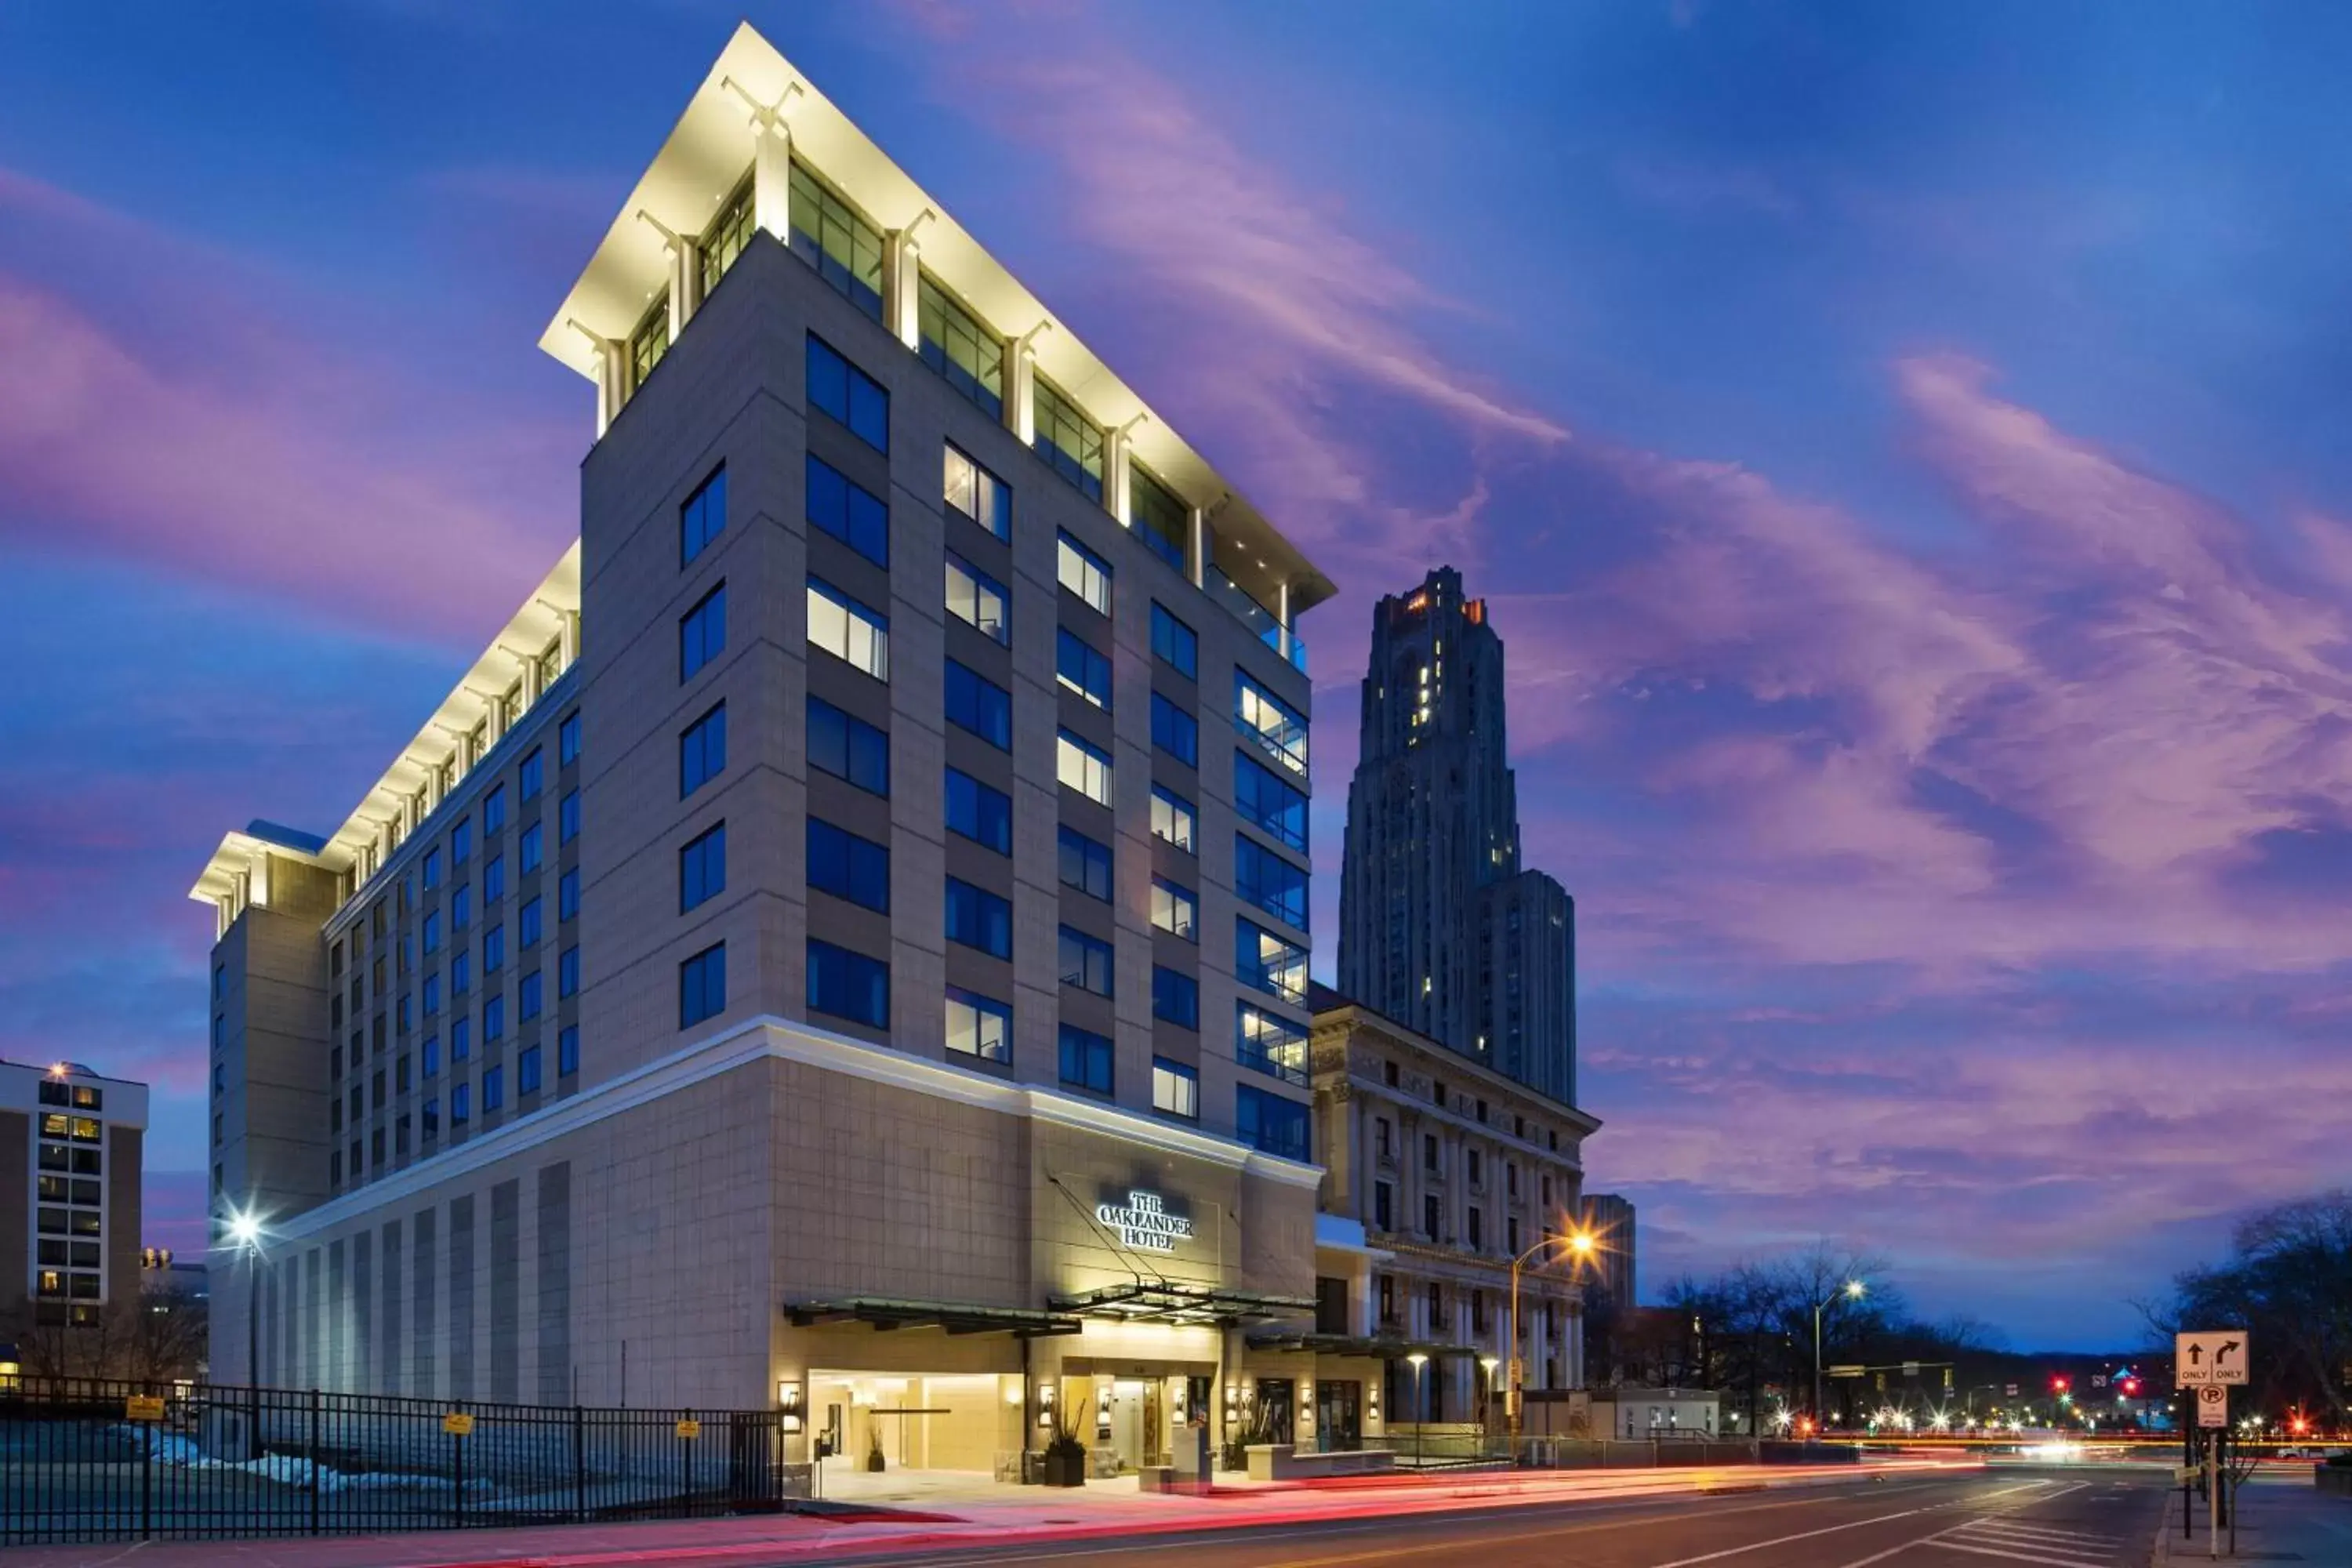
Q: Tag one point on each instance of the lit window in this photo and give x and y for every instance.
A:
(1084, 768)
(1071, 443)
(979, 1025)
(829, 235)
(1271, 722)
(961, 347)
(851, 632)
(1175, 1089)
(978, 599)
(1173, 909)
(1267, 962)
(1171, 818)
(1270, 1044)
(1085, 573)
(978, 494)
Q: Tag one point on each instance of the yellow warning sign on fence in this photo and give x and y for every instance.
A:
(142, 1407)
(690, 1428)
(458, 1424)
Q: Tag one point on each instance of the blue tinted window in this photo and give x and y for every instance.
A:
(1270, 1124)
(567, 972)
(848, 510)
(1267, 880)
(535, 774)
(526, 1071)
(567, 739)
(494, 1019)
(855, 399)
(1086, 864)
(494, 1089)
(1086, 1059)
(567, 1050)
(1086, 962)
(849, 747)
(494, 879)
(567, 817)
(494, 950)
(1081, 668)
(461, 1107)
(978, 918)
(978, 704)
(702, 867)
(431, 880)
(702, 986)
(1265, 801)
(527, 923)
(494, 810)
(1175, 732)
(979, 813)
(848, 866)
(1174, 644)
(848, 984)
(461, 1039)
(702, 751)
(461, 841)
(567, 895)
(703, 515)
(432, 931)
(702, 632)
(432, 1055)
(530, 997)
(534, 838)
(1175, 998)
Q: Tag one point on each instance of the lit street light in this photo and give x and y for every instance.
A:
(1853, 1289)
(1420, 1405)
(244, 1234)
(1579, 1245)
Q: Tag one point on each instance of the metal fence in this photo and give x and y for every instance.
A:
(90, 1461)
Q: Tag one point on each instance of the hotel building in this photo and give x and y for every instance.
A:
(70, 1144)
(843, 942)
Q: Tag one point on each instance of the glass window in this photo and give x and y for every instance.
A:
(461, 1039)
(979, 1025)
(567, 972)
(725, 237)
(702, 632)
(461, 1110)
(827, 234)
(703, 516)
(1071, 443)
(849, 747)
(978, 812)
(567, 1050)
(1175, 732)
(461, 907)
(535, 774)
(1086, 962)
(977, 493)
(1270, 882)
(1175, 1089)
(978, 704)
(856, 635)
(494, 1019)
(567, 895)
(1158, 516)
(1086, 1059)
(461, 975)
(702, 751)
(1086, 864)
(1175, 997)
(1082, 669)
(1174, 909)
(702, 867)
(1085, 768)
(431, 880)
(851, 396)
(1174, 643)
(1085, 573)
(494, 949)
(567, 817)
(978, 918)
(431, 937)
(1269, 1043)
(1268, 804)
(1172, 817)
(494, 820)
(567, 739)
(531, 851)
(531, 996)
(650, 343)
(1270, 1124)
(1271, 722)
(494, 1089)
(1267, 962)
(848, 866)
(961, 347)
(702, 986)
(848, 510)
(527, 923)
(848, 984)
(978, 599)
(461, 841)
(526, 1071)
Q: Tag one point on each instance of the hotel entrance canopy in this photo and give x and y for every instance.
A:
(884, 1313)
(1160, 1301)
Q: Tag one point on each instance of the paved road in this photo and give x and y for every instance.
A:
(2098, 1519)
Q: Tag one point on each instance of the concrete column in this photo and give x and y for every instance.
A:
(612, 385)
(771, 174)
(1116, 486)
(1196, 546)
(902, 271)
(1282, 614)
(682, 275)
(571, 635)
(1021, 390)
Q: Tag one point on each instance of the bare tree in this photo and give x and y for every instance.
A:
(156, 1338)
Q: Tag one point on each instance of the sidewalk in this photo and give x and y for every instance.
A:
(1017, 1514)
(2280, 1519)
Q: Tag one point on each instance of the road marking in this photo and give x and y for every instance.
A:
(1943, 1539)
(2023, 1557)
(2053, 1537)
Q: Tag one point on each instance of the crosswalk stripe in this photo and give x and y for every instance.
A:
(2056, 1537)
(1948, 1543)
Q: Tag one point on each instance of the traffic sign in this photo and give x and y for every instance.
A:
(2212, 1404)
(2214, 1355)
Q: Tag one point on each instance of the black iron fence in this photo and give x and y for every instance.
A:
(89, 1461)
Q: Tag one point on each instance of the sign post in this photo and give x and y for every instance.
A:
(2212, 1362)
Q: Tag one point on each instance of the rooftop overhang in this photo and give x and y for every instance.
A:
(704, 160)
(1163, 1301)
(527, 632)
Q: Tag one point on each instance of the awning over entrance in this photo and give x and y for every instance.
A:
(1160, 1301)
(884, 1312)
(1383, 1348)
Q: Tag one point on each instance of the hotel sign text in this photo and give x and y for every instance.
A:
(1144, 1223)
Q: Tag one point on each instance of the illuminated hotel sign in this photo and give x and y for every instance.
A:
(1144, 1223)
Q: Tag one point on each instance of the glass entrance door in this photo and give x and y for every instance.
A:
(1273, 1402)
(1338, 1417)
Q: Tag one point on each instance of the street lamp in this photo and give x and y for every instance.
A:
(1853, 1291)
(1580, 1245)
(1418, 1359)
(244, 1234)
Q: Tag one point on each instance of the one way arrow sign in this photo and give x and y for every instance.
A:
(2214, 1355)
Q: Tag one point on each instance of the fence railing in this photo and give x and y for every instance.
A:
(89, 1461)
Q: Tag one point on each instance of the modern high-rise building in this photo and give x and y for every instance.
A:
(1608, 1220)
(70, 1146)
(845, 941)
(1440, 928)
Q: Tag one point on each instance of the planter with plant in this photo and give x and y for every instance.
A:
(1065, 1459)
(873, 1447)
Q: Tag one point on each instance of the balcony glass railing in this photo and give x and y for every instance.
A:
(1254, 615)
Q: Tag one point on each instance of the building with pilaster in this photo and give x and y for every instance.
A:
(845, 941)
(1440, 928)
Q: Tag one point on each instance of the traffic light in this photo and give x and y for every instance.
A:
(2130, 1385)
(2058, 1384)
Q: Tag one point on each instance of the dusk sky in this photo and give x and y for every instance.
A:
(1903, 449)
